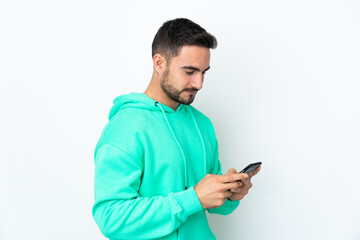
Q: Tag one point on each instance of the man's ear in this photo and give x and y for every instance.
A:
(159, 62)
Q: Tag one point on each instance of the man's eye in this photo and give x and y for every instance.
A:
(189, 73)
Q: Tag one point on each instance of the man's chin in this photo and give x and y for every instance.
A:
(188, 101)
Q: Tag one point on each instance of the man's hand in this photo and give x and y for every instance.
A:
(213, 190)
(244, 185)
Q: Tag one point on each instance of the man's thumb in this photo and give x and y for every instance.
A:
(232, 170)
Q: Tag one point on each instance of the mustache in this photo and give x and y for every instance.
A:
(190, 89)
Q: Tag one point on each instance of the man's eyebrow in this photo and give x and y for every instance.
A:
(194, 68)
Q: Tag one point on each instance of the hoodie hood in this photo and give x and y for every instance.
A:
(139, 100)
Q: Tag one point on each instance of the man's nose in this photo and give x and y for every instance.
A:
(198, 81)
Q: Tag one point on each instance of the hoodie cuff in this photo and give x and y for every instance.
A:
(188, 201)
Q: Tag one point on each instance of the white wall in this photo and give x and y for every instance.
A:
(283, 89)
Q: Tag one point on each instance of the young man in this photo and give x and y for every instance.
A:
(157, 167)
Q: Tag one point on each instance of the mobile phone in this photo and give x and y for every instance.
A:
(251, 167)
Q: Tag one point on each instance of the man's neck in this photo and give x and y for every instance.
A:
(155, 92)
(161, 97)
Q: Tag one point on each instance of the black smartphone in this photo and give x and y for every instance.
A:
(251, 167)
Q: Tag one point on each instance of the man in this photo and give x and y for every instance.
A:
(156, 163)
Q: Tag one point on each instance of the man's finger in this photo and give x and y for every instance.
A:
(231, 170)
(246, 181)
(236, 190)
(241, 183)
(230, 185)
(232, 177)
(228, 193)
(254, 172)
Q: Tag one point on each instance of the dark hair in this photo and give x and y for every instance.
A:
(174, 34)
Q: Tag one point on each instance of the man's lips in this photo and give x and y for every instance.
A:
(191, 91)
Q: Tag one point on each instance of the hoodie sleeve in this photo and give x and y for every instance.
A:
(121, 213)
(229, 206)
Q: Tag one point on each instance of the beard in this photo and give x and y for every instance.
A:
(174, 93)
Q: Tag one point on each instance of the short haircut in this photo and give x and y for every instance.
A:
(175, 34)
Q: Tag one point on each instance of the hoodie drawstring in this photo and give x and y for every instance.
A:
(178, 144)
(201, 138)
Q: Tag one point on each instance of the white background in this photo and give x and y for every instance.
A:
(283, 89)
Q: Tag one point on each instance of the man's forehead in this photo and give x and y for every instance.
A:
(193, 56)
(188, 49)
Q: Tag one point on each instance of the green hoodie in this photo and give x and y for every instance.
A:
(147, 161)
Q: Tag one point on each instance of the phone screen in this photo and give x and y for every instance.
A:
(251, 167)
